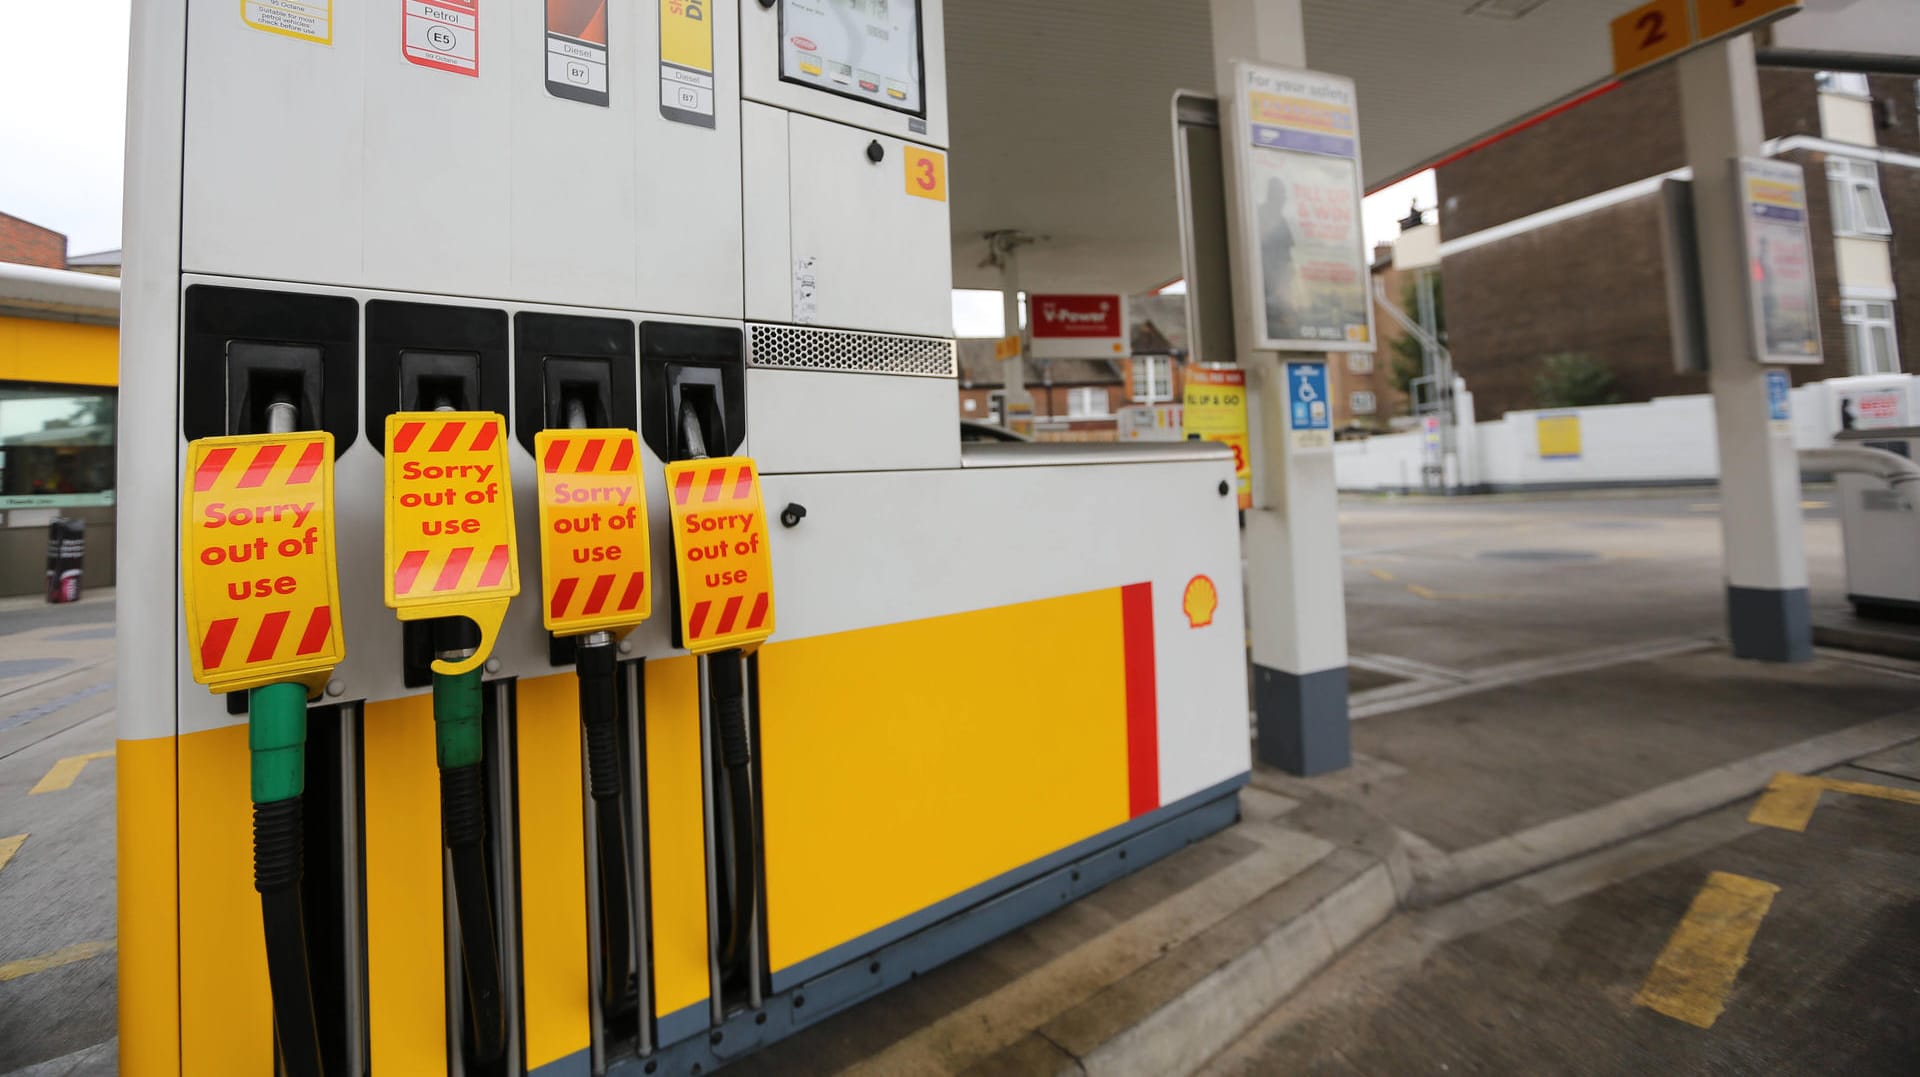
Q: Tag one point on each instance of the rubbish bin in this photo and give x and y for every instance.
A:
(66, 549)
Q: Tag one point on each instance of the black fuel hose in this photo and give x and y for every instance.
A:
(278, 860)
(599, 714)
(459, 750)
(725, 673)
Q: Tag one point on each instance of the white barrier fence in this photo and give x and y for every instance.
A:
(1666, 440)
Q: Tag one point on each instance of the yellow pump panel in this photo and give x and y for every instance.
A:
(553, 868)
(406, 949)
(226, 1014)
(676, 834)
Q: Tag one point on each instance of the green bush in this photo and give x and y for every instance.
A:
(1574, 380)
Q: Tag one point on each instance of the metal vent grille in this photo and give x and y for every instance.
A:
(786, 347)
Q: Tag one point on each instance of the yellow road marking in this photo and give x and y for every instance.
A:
(1381, 574)
(66, 955)
(1423, 592)
(1690, 979)
(63, 773)
(10, 846)
(1790, 799)
(1813, 504)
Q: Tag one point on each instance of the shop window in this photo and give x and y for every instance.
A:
(56, 446)
(1854, 187)
(1360, 402)
(1359, 362)
(1845, 83)
(1870, 339)
(1088, 403)
(1152, 379)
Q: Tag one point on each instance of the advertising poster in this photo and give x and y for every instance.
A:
(1215, 409)
(1781, 296)
(868, 50)
(1077, 326)
(1872, 409)
(1300, 200)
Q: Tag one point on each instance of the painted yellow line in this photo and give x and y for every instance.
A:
(10, 846)
(1788, 802)
(1813, 504)
(66, 955)
(1423, 592)
(1692, 976)
(63, 773)
(1790, 799)
(1381, 574)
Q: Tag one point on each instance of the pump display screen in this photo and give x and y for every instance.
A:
(868, 50)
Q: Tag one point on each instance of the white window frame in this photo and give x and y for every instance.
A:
(1355, 401)
(1861, 316)
(1359, 362)
(1853, 187)
(1844, 84)
(1081, 398)
(1159, 379)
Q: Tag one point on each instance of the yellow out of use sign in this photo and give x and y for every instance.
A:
(262, 596)
(720, 553)
(450, 542)
(594, 554)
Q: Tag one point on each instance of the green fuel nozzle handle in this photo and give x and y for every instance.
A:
(277, 738)
(456, 719)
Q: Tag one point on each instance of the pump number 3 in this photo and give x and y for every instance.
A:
(926, 173)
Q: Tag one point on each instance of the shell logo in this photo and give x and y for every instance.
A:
(1199, 602)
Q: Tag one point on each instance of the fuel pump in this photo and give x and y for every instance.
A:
(450, 558)
(263, 606)
(725, 601)
(576, 394)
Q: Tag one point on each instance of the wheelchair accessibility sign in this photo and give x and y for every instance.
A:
(1309, 415)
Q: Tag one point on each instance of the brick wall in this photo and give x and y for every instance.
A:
(1625, 135)
(26, 243)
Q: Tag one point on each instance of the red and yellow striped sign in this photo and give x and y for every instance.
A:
(720, 552)
(594, 553)
(450, 548)
(257, 552)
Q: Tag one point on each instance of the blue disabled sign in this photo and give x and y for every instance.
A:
(1779, 402)
(1310, 415)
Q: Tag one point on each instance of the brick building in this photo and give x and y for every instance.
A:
(28, 244)
(1552, 237)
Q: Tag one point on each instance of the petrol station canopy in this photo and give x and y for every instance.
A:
(1061, 108)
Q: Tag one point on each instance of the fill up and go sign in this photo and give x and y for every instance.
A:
(262, 597)
(1215, 409)
(594, 553)
(450, 541)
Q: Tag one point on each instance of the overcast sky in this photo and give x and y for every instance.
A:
(63, 111)
(63, 102)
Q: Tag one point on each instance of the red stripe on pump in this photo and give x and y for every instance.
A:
(744, 484)
(316, 634)
(598, 597)
(623, 457)
(496, 567)
(449, 433)
(309, 463)
(592, 454)
(631, 598)
(455, 567)
(728, 615)
(715, 480)
(403, 437)
(213, 649)
(759, 614)
(682, 486)
(483, 440)
(699, 619)
(403, 576)
(1143, 712)
(556, 454)
(268, 640)
(261, 467)
(210, 469)
(562, 594)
